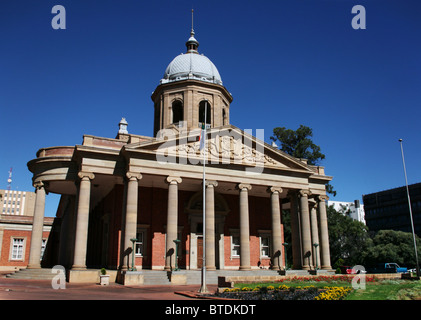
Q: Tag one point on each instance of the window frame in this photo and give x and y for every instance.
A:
(20, 248)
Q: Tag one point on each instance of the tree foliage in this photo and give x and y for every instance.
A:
(347, 237)
(391, 246)
(351, 243)
(298, 143)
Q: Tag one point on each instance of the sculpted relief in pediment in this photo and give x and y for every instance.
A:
(219, 148)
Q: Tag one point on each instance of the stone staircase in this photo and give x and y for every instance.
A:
(152, 277)
(159, 277)
(33, 274)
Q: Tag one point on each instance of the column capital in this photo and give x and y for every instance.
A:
(173, 180)
(39, 184)
(212, 183)
(84, 174)
(274, 189)
(304, 193)
(322, 197)
(133, 175)
(242, 186)
(312, 202)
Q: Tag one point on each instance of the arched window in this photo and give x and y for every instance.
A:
(177, 111)
(202, 105)
(224, 117)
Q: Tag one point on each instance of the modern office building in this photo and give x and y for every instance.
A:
(389, 209)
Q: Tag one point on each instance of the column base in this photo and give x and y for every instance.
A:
(245, 268)
(78, 268)
(210, 268)
(33, 266)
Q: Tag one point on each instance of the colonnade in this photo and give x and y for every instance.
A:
(308, 221)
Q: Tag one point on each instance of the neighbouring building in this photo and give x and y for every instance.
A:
(19, 203)
(354, 210)
(389, 209)
(146, 192)
(16, 218)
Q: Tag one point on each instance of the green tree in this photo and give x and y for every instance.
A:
(299, 144)
(347, 238)
(391, 246)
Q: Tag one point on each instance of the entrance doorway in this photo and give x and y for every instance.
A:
(194, 210)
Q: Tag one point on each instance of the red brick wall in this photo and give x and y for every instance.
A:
(8, 235)
(152, 211)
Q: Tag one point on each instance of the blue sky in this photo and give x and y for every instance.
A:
(286, 63)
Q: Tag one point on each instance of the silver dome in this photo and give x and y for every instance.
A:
(192, 65)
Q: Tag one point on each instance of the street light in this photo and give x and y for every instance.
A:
(285, 244)
(410, 213)
(176, 241)
(315, 251)
(133, 268)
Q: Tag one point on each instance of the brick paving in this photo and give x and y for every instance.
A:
(19, 289)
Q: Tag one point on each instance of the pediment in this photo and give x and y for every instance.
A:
(225, 146)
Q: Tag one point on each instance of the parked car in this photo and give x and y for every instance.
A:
(388, 267)
(351, 270)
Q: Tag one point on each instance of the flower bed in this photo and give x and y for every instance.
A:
(328, 279)
(284, 292)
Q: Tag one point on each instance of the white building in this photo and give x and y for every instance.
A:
(354, 210)
(20, 203)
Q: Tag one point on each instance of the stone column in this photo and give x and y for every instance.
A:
(305, 229)
(82, 220)
(172, 221)
(37, 227)
(295, 230)
(210, 224)
(324, 234)
(131, 216)
(314, 233)
(244, 227)
(276, 227)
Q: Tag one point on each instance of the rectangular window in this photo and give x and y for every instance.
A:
(265, 246)
(17, 249)
(43, 245)
(235, 246)
(265, 238)
(139, 244)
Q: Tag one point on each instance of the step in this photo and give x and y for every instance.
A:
(33, 274)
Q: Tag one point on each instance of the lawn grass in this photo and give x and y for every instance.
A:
(388, 290)
(379, 290)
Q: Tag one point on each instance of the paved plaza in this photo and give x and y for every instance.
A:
(18, 289)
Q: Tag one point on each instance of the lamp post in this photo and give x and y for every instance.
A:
(410, 212)
(285, 244)
(176, 241)
(133, 268)
(315, 251)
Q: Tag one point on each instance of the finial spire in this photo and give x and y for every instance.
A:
(192, 44)
(192, 29)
